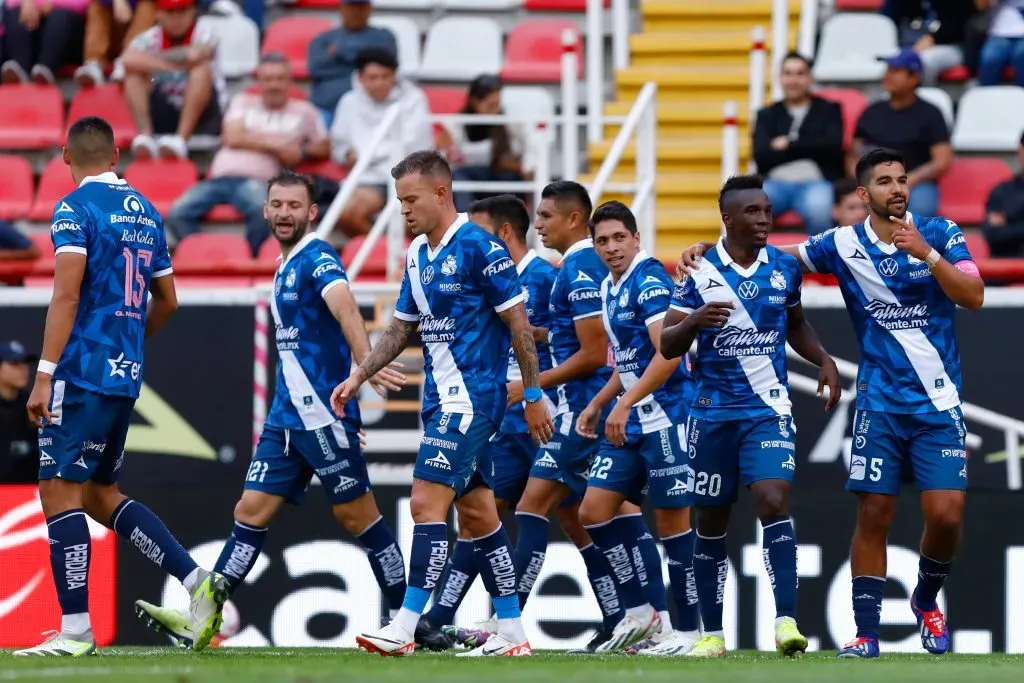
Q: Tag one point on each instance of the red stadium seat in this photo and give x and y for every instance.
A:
(852, 102)
(106, 101)
(781, 239)
(224, 213)
(291, 37)
(270, 250)
(558, 5)
(977, 245)
(211, 248)
(376, 265)
(790, 219)
(533, 51)
(858, 5)
(326, 168)
(964, 188)
(54, 183)
(162, 181)
(294, 92)
(31, 116)
(445, 100)
(956, 74)
(15, 187)
(44, 241)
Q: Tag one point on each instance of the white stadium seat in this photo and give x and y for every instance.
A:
(407, 35)
(238, 49)
(481, 5)
(404, 4)
(989, 119)
(851, 45)
(527, 100)
(462, 48)
(941, 99)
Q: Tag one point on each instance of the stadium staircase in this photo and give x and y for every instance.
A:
(698, 53)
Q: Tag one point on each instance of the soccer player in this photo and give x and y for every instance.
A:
(902, 277)
(110, 255)
(741, 307)
(319, 331)
(462, 291)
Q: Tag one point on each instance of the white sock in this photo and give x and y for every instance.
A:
(512, 630)
(191, 580)
(75, 624)
(406, 619)
(716, 634)
(779, 620)
(666, 621)
(640, 613)
(691, 635)
(392, 614)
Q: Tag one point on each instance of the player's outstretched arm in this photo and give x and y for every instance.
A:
(163, 305)
(537, 418)
(391, 343)
(345, 310)
(804, 340)
(689, 260)
(586, 423)
(592, 355)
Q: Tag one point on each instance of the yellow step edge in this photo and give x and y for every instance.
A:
(697, 42)
(674, 150)
(721, 8)
(692, 112)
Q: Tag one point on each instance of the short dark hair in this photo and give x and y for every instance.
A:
(736, 183)
(425, 162)
(90, 141)
(613, 211)
(843, 187)
(876, 157)
(505, 208)
(796, 55)
(290, 178)
(275, 58)
(376, 55)
(569, 191)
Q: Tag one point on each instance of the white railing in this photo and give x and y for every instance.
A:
(780, 43)
(758, 66)
(808, 35)
(642, 120)
(596, 79)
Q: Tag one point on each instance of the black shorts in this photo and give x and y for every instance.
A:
(165, 115)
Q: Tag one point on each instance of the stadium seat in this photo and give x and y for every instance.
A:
(224, 213)
(533, 53)
(44, 241)
(269, 252)
(404, 4)
(461, 48)
(789, 219)
(977, 245)
(481, 5)
(325, 168)
(558, 5)
(162, 181)
(54, 183)
(989, 119)
(291, 36)
(941, 99)
(851, 45)
(106, 101)
(858, 5)
(445, 100)
(527, 101)
(16, 187)
(31, 117)
(407, 35)
(376, 265)
(238, 48)
(211, 248)
(852, 102)
(964, 188)
(956, 74)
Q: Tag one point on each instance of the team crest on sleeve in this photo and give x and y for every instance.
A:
(449, 265)
(289, 281)
(778, 280)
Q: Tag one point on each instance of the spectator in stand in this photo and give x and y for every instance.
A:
(848, 208)
(914, 128)
(19, 452)
(798, 147)
(110, 27)
(14, 246)
(936, 30)
(486, 152)
(39, 37)
(359, 113)
(1005, 44)
(172, 82)
(1004, 214)
(263, 133)
(332, 55)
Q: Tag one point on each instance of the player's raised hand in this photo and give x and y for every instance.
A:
(539, 422)
(387, 379)
(346, 391)
(39, 402)
(362, 438)
(586, 423)
(689, 260)
(828, 375)
(615, 425)
(909, 239)
(514, 390)
(713, 314)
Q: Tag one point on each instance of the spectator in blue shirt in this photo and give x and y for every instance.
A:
(14, 245)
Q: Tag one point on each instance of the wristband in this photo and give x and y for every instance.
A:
(46, 367)
(932, 259)
(532, 394)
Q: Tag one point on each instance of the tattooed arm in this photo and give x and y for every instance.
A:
(537, 418)
(387, 349)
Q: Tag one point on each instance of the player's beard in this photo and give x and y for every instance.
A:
(888, 209)
(301, 227)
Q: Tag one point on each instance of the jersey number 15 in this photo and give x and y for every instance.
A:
(134, 280)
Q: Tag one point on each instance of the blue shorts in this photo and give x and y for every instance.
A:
(653, 465)
(725, 453)
(286, 460)
(455, 451)
(567, 457)
(84, 440)
(934, 443)
(511, 457)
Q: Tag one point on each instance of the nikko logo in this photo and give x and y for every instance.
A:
(736, 341)
(499, 266)
(893, 316)
(748, 289)
(649, 294)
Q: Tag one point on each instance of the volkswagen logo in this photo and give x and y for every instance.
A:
(748, 289)
(427, 275)
(888, 267)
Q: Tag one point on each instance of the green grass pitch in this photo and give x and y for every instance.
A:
(287, 665)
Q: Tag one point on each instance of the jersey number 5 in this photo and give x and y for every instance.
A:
(134, 281)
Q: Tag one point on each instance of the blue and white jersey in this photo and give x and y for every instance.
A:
(536, 276)
(122, 238)
(904, 322)
(742, 366)
(455, 292)
(576, 295)
(313, 355)
(639, 299)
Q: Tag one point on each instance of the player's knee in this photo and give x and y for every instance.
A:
(946, 513)
(536, 499)
(256, 511)
(592, 512)
(478, 517)
(712, 522)
(357, 515)
(771, 502)
(569, 519)
(875, 513)
(100, 502)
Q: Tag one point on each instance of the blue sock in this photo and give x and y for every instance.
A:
(240, 553)
(650, 560)
(427, 559)
(616, 539)
(599, 573)
(386, 561)
(70, 544)
(499, 572)
(679, 550)
(710, 569)
(137, 524)
(531, 547)
(778, 541)
(867, 605)
(931, 575)
(462, 570)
